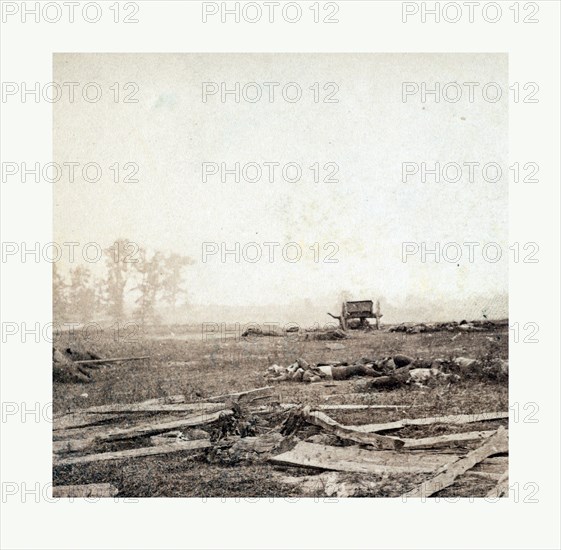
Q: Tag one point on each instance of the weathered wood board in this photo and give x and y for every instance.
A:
(446, 476)
(135, 453)
(355, 459)
(92, 490)
(451, 419)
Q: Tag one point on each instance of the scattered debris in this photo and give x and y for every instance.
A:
(501, 489)
(355, 459)
(497, 443)
(270, 408)
(93, 490)
(236, 424)
(348, 433)
(450, 419)
(66, 372)
(111, 360)
(134, 453)
(244, 396)
(345, 484)
(450, 440)
(75, 366)
(453, 326)
(98, 434)
(287, 434)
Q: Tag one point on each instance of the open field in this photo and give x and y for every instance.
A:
(181, 363)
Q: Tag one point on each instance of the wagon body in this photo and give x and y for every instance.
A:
(363, 309)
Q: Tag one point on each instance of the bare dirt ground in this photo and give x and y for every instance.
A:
(181, 362)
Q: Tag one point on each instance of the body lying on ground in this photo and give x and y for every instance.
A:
(386, 373)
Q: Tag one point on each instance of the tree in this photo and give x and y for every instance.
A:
(60, 296)
(118, 258)
(100, 295)
(82, 294)
(150, 271)
(173, 266)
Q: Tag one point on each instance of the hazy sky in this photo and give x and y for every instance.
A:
(368, 213)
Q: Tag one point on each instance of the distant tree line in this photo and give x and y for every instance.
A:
(152, 279)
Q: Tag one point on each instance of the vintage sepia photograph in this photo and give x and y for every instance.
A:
(282, 275)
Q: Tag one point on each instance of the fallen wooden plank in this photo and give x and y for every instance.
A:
(170, 399)
(481, 475)
(136, 431)
(497, 443)
(501, 489)
(365, 396)
(451, 419)
(343, 485)
(164, 407)
(493, 464)
(111, 360)
(81, 420)
(243, 396)
(93, 490)
(74, 445)
(176, 435)
(153, 429)
(347, 407)
(135, 453)
(351, 407)
(331, 426)
(71, 445)
(113, 412)
(355, 459)
(261, 444)
(330, 484)
(445, 440)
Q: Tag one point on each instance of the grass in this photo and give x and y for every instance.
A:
(182, 363)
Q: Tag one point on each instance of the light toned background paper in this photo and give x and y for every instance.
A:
(27, 51)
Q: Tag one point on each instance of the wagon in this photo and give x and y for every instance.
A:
(362, 310)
